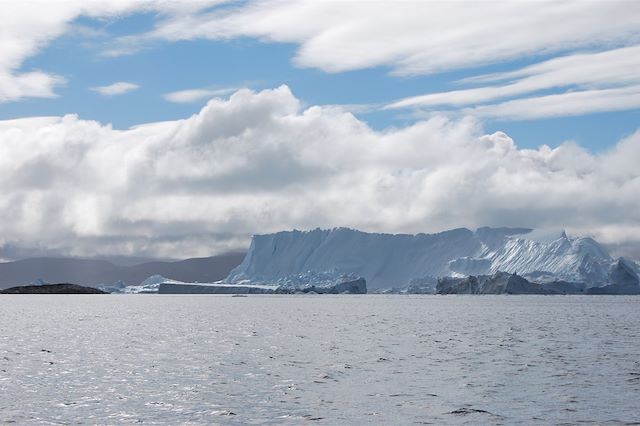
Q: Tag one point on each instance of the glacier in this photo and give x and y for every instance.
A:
(398, 260)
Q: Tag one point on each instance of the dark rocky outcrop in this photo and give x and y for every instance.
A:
(64, 288)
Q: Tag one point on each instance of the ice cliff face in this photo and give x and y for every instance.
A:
(387, 260)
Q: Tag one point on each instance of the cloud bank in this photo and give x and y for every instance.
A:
(259, 162)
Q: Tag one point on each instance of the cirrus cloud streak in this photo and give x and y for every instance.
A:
(411, 38)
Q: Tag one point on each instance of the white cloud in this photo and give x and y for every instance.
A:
(414, 38)
(612, 68)
(598, 82)
(561, 105)
(15, 86)
(410, 37)
(195, 95)
(258, 162)
(118, 88)
(28, 26)
(18, 40)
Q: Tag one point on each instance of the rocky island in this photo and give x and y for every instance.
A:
(63, 288)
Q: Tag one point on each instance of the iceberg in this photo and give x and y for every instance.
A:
(498, 283)
(400, 260)
(623, 279)
(177, 287)
(356, 286)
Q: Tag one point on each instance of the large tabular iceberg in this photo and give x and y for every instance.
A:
(398, 260)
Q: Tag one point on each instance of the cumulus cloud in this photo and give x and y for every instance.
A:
(260, 162)
(118, 88)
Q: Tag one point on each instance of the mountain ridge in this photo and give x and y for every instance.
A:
(95, 272)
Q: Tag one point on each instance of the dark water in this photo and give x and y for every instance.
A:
(320, 359)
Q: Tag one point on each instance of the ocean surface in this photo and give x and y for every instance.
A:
(374, 359)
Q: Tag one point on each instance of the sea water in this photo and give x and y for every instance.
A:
(374, 359)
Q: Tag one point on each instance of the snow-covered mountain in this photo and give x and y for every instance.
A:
(387, 260)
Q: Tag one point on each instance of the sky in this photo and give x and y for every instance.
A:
(179, 129)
